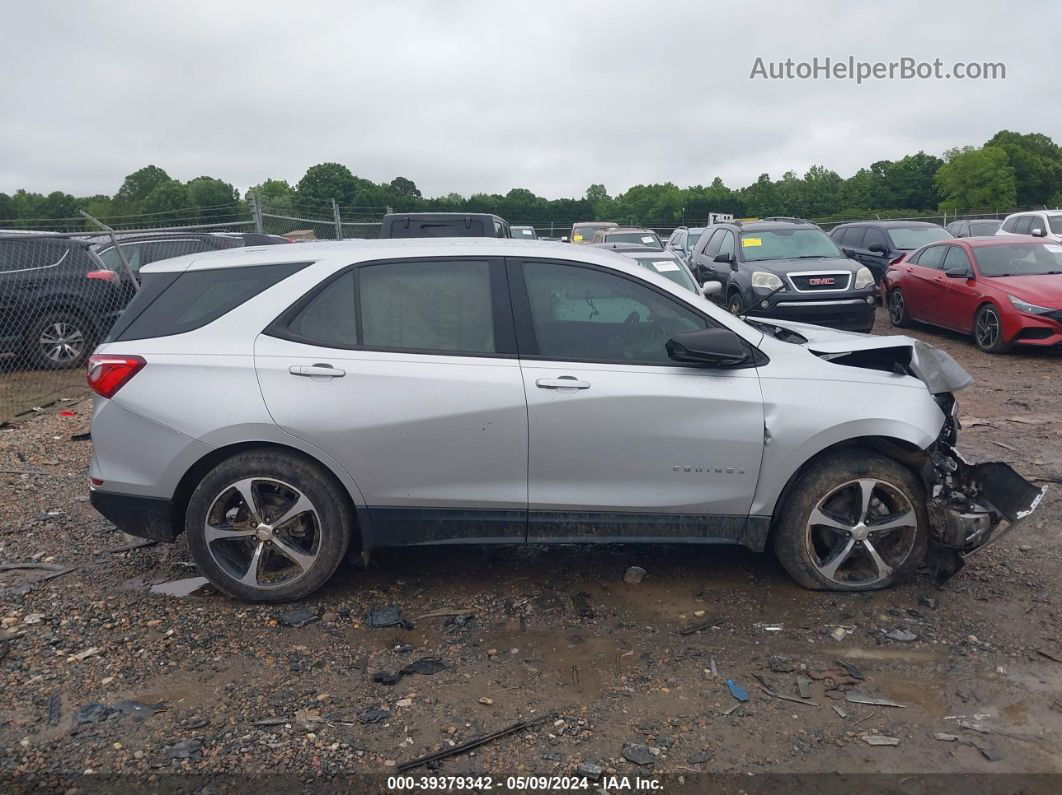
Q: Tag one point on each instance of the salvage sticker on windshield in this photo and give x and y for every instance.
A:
(664, 266)
(648, 239)
(577, 237)
(751, 241)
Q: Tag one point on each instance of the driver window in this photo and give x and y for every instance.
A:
(727, 246)
(590, 315)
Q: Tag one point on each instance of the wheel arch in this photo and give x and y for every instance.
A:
(195, 473)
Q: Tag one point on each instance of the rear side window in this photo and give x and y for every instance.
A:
(328, 318)
(175, 303)
(1023, 225)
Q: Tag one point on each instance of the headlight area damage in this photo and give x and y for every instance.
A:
(967, 503)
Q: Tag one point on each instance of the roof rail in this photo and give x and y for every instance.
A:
(786, 219)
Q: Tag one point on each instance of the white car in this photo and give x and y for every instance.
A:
(283, 404)
(1038, 223)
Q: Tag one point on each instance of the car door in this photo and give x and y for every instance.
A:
(702, 259)
(623, 442)
(405, 372)
(877, 261)
(961, 297)
(926, 284)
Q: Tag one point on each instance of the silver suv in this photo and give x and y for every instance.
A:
(286, 405)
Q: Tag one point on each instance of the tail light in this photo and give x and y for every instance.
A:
(108, 373)
(898, 260)
(104, 275)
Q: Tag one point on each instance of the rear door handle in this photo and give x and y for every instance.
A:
(317, 370)
(564, 382)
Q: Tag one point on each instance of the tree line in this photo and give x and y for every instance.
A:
(1009, 170)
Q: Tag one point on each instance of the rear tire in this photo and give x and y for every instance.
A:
(58, 340)
(285, 547)
(827, 540)
(988, 330)
(898, 309)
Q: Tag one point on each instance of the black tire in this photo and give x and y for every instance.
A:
(734, 303)
(58, 340)
(797, 540)
(898, 309)
(988, 330)
(325, 534)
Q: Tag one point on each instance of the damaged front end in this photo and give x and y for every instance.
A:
(968, 503)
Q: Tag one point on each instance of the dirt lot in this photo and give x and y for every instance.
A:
(554, 632)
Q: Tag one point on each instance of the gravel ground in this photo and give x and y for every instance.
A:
(550, 633)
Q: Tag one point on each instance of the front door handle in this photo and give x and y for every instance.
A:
(317, 370)
(564, 382)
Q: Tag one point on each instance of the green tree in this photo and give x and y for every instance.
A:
(820, 193)
(323, 183)
(213, 199)
(168, 203)
(1037, 164)
(276, 195)
(7, 208)
(404, 188)
(596, 193)
(909, 181)
(976, 180)
(136, 187)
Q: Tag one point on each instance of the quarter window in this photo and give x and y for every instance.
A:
(327, 319)
(585, 314)
(427, 306)
(853, 237)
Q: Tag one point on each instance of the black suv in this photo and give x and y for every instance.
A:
(444, 225)
(877, 243)
(785, 269)
(142, 248)
(57, 299)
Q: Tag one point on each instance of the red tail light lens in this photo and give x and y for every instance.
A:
(898, 259)
(108, 373)
(104, 275)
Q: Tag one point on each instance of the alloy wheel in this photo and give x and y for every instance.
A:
(263, 533)
(896, 308)
(987, 329)
(62, 343)
(861, 532)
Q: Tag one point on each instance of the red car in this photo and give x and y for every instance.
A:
(1004, 290)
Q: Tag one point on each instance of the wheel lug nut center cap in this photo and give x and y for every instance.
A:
(263, 532)
(860, 532)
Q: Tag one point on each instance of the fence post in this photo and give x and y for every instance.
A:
(121, 254)
(338, 220)
(256, 211)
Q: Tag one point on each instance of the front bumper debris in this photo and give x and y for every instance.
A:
(968, 504)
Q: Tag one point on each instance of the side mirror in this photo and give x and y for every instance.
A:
(958, 273)
(564, 239)
(848, 252)
(716, 347)
(721, 258)
(1038, 232)
(876, 248)
(708, 289)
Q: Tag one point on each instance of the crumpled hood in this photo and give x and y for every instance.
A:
(929, 364)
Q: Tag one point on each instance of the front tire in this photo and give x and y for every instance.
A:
(988, 330)
(853, 521)
(734, 303)
(898, 309)
(268, 527)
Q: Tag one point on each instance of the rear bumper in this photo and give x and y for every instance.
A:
(144, 517)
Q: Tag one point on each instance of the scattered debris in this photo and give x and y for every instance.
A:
(731, 709)
(1051, 655)
(138, 710)
(589, 770)
(390, 616)
(426, 666)
(803, 687)
(988, 751)
(486, 700)
(873, 701)
(840, 633)
(299, 617)
(271, 722)
(928, 601)
(902, 635)
(442, 612)
(189, 586)
(373, 715)
(81, 437)
(637, 753)
(93, 713)
(772, 693)
(471, 744)
(769, 627)
(581, 602)
(782, 665)
(700, 626)
(83, 655)
(944, 737)
(138, 544)
(186, 749)
(699, 758)
(736, 690)
(850, 669)
(840, 712)
(54, 705)
(880, 739)
(711, 666)
(634, 575)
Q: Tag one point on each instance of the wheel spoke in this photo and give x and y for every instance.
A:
(883, 569)
(300, 506)
(213, 533)
(818, 517)
(246, 490)
(250, 577)
(829, 569)
(292, 553)
(905, 519)
(866, 490)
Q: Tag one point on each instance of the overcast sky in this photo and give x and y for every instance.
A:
(485, 96)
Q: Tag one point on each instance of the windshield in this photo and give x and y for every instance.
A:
(983, 227)
(692, 238)
(1019, 259)
(637, 238)
(669, 269)
(583, 233)
(908, 238)
(787, 244)
(525, 231)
